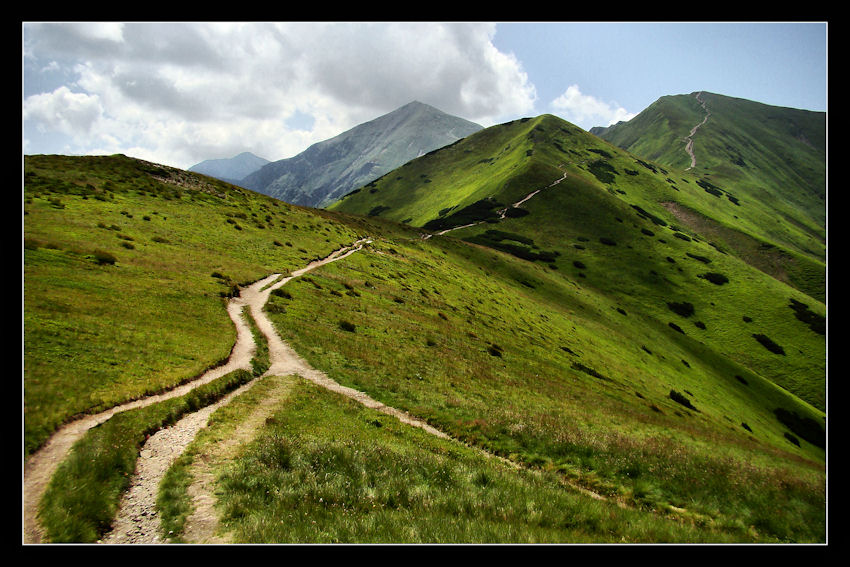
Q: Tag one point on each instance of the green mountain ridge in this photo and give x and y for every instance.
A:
(587, 335)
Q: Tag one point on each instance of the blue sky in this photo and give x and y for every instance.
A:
(634, 64)
(179, 93)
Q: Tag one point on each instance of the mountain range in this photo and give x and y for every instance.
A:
(327, 170)
(232, 170)
(635, 327)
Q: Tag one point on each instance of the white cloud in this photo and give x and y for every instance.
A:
(587, 111)
(188, 92)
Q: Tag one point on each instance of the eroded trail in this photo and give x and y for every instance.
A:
(689, 140)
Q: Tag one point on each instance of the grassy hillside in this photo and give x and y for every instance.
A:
(127, 266)
(582, 362)
(609, 227)
(771, 159)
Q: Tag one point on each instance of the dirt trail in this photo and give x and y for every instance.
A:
(137, 520)
(504, 211)
(40, 466)
(689, 140)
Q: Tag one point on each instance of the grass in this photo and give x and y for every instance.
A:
(104, 333)
(530, 405)
(326, 470)
(83, 495)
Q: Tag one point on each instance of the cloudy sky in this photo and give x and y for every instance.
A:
(180, 93)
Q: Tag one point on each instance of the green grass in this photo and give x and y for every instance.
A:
(82, 498)
(326, 470)
(106, 333)
(562, 363)
(614, 429)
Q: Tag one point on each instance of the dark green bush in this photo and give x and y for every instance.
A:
(104, 258)
(684, 308)
(715, 278)
(803, 312)
(805, 427)
(767, 343)
(682, 399)
(347, 326)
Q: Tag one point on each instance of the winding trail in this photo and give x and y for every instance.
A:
(689, 140)
(137, 520)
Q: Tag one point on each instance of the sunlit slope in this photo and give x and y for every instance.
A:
(127, 266)
(771, 159)
(547, 369)
(608, 225)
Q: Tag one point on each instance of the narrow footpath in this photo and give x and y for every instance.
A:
(689, 140)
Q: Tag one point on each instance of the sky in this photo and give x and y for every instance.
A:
(179, 93)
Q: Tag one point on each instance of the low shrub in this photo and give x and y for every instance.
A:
(682, 399)
(768, 343)
(715, 278)
(684, 308)
(347, 326)
(104, 258)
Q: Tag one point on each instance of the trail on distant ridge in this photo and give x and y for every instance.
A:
(689, 140)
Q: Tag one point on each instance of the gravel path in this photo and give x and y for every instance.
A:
(689, 140)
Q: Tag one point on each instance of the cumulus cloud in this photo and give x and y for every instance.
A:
(182, 93)
(587, 111)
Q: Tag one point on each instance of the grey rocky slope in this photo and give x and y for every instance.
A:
(329, 169)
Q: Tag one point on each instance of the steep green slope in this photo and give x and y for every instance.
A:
(771, 159)
(125, 266)
(573, 371)
(609, 222)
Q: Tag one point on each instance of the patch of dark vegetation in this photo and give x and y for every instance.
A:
(747, 319)
(647, 166)
(745, 426)
(516, 212)
(741, 379)
(602, 171)
(482, 210)
(607, 241)
(513, 244)
(647, 232)
(792, 439)
(579, 265)
(699, 325)
(621, 311)
(375, 211)
(698, 258)
(682, 399)
(684, 308)
(676, 327)
(347, 326)
(603, 153)
(495, 350)
(710, 188)
(280, 292)
(681, 236)
(768, 343)
(715, 278)
(803, 312)
(649, 216)
(630, 172)
(806, 427)
(589, 371)
(646, 350)
(104, 258)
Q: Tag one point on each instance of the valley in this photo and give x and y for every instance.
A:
(527, 335)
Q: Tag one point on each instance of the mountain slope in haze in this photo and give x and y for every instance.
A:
(232, 169)
(601, 218)
(329, 169)
(769, 156)
(565, 339)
